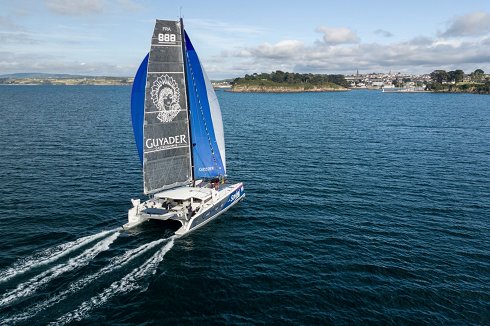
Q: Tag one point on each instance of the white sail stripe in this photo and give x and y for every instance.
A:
(115, 263)
(157, 112)
(165, 72)
(126, 284)
(166, 149)
(37, 281)
(48, 256)
(180, 44)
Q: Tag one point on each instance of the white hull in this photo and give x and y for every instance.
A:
(193, 207)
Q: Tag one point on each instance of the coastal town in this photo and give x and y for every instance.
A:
(388, 80)
(411, 81)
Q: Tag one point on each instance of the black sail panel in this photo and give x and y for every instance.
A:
(166, 141)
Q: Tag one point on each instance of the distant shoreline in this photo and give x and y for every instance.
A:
(286, 89)
(65, 84)
(73, 81)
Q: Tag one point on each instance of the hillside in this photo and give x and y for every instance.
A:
(285, 82)
(464, 87)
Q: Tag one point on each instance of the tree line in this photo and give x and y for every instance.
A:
(456, 76)
(451, 81)
(282, 77)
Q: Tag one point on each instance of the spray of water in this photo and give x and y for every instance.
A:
(114, 264)
(48, 256)
(128, 283)
(39, 280)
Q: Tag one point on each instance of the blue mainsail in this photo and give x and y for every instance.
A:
(205, 120)
(138, 105)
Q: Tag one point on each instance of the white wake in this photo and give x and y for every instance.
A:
(128, 283)
(39, 280)
(47, 256)
(115, 263)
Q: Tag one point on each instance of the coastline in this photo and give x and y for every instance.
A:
(65, 84)
(284, 89)
(74, 81)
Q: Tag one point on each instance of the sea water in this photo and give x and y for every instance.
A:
(362, 207)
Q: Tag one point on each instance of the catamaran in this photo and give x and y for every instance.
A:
(179, 135)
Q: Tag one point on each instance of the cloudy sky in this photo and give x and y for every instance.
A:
(110, 37)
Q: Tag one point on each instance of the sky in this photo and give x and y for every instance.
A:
(234, 38)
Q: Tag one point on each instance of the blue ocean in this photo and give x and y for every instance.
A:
(362, 207)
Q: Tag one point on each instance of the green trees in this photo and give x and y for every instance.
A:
(478, 85)
(281, 77)
(456, 76)
(477, 75)
(277, 77)
(435, 87)
(439, 76)
(338, 79)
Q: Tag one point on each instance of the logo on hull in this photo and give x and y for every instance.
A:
(236, 195)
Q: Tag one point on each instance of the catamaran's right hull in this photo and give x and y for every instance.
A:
(232, 195)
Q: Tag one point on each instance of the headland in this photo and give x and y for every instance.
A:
(286, 82)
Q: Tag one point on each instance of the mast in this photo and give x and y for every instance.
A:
(184, 55)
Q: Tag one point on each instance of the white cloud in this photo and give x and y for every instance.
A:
(222, 26)
(130, 5)
(338, 35)
(25, 62)
(214, 36)
(12, 38)
(383, 32)
(227, 49)
(8, 24)
(419, 55)
(87, 7)
(281, 50)
(73, 8)
(421, 41)
(472, 24)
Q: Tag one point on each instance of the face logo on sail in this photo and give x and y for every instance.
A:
(165, 95)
